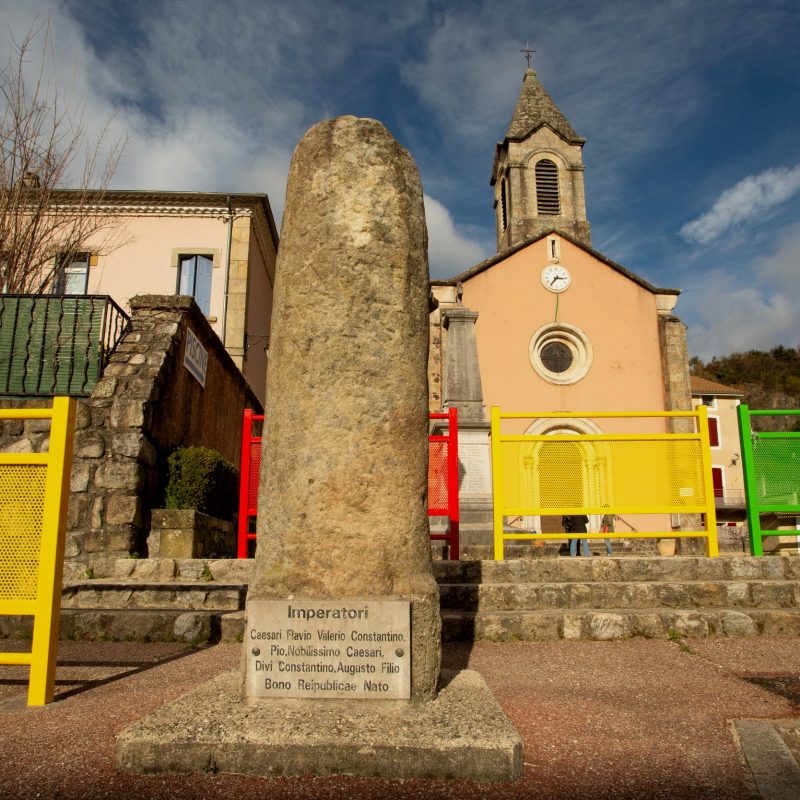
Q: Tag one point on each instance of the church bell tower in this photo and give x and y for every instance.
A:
(538, 173)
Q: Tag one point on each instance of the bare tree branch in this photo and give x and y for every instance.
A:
(48, 214)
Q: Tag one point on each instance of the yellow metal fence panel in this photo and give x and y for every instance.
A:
(21, 514)
(641, 473)
(602, 474)
(34, 496)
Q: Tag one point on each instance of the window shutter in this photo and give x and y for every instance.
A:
(547, 200)
(202, 291)
(186, 280)
(716, 479)
(713, 431)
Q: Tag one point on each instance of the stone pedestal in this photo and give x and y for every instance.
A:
(186, 533)
(462, 735)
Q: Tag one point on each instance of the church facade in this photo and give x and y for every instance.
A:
(555, 325)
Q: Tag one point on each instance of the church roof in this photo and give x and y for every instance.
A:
(536, 108)
(509, 251)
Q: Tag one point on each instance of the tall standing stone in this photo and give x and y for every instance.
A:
(342, 580)
(342, 509)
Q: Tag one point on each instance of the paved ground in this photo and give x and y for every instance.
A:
(632, 719)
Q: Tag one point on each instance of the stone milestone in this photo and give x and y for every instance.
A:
(342, 640)
(342, 507)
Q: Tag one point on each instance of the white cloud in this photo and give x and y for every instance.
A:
(752, 310)
(743, 319)
(781, 269)
(749, 199)
(450, 249)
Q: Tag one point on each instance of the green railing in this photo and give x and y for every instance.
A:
(56, 344)
(771, 465)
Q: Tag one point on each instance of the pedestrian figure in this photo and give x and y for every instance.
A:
(576, 524)
(608, 527)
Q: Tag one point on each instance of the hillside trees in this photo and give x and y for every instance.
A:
(767, 379)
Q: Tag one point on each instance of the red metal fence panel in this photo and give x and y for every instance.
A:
(442, 480)
(248, 487)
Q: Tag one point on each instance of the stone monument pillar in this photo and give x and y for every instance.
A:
(342, 508)
(342, 641)
(462, 389)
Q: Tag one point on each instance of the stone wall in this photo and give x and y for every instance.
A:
(145, 404)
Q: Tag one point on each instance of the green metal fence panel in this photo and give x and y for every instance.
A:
(56, 344)
(771, 466)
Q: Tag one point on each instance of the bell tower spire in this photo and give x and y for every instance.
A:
(538, 171)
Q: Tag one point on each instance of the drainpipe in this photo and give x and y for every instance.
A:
(227, 270)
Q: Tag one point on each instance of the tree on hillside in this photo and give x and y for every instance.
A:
(53, 174)
(767, 379)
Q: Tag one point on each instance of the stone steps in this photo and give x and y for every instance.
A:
(627, 595)
(629, 569)
(518, 599)
(607, 624)
(134, 624)
(176, 595)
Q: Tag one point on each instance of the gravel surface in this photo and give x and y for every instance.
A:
(776, 656)
(630, 719)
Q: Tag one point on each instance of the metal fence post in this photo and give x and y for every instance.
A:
(748, 470)
(712, 548)
(44, 649)
(497, 485)
(452, 489)
(244, 484)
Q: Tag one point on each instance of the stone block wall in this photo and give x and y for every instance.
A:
(145, 404)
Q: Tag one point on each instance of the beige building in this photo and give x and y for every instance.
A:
(557, 325)
(218, 247)
(726, 468)
(726, 454)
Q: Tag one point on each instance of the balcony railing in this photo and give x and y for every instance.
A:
(729, 499)
(56, 344)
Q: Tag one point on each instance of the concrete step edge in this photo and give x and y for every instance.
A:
(610, 624)
(795, 611)
(681, 582)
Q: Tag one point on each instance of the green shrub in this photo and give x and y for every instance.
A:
(201, 479)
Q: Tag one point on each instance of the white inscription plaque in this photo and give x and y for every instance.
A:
(338, 648)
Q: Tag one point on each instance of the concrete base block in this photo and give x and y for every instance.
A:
(462, 735)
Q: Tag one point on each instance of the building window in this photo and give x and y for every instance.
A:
(547, 201)
(72, 276)
(560, 353)
(556, 357)
(503, 203)
(707, 400)
(194, 279)
(713, 431)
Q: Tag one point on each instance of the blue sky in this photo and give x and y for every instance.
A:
(690, 109)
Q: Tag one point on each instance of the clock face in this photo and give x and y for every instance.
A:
(556, 278)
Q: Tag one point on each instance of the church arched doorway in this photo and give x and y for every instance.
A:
(564, 474)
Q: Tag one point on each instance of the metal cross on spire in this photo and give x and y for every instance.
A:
(528, 53)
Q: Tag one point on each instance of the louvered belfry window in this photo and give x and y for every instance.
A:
(547, 201)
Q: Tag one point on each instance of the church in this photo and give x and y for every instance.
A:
(548, 324)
